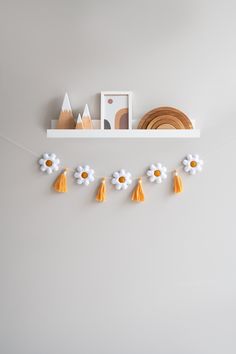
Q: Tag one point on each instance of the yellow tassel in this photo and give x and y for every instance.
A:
(178, 185)
(60, 184)
(102, 191)
(138, 194)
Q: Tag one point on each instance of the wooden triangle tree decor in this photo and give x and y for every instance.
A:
(66, 119)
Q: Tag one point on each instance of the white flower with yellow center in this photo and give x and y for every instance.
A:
(156, 173)
(49, 163)
(84, 175)
(192, 164)
(121, 179)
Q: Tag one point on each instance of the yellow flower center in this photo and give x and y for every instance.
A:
(157, 173)
(193, 164)
(84, 175)
(122, 179)
(48, 163)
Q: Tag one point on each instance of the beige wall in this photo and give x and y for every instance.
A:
(78, 277)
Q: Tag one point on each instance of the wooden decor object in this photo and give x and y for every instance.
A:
(79, 123)
(66, 119)
(86, 119)
(165, 118)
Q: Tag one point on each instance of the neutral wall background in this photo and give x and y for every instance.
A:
(117, 278)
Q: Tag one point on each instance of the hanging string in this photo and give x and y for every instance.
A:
(24, 148)
(18, 145)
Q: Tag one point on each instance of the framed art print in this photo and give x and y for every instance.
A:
(116, 110)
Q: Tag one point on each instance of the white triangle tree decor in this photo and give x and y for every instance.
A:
(79, 123)
(66, 119)
(86, 119)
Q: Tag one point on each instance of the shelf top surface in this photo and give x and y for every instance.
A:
(132, 133)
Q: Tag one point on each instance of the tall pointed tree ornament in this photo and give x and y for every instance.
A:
(66, 119)
(86, 119)
(79, 123)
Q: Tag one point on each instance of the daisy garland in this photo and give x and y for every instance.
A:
(121, 179)
(84, 175)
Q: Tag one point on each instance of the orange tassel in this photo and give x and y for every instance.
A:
(178, 184)
(138, 194)
(102, 191)
(60, 184)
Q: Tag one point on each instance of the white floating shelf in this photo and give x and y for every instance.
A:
(122, 133)
(133, 133)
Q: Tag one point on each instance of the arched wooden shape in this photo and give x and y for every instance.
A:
(158, 113)
(122, 119)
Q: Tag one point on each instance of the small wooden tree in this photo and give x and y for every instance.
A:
(66, 119)
(79, 123)
(86, 119)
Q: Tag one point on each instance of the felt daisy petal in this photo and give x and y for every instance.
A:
(158, 180)
(43, 168)
(116, 174)
(52, 156)
(187, 168)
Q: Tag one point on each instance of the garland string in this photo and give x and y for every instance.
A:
(24, 148)
(18, 145)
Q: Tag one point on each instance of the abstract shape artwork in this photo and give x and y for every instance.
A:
(116, 110)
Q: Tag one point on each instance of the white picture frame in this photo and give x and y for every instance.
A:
(116, 110)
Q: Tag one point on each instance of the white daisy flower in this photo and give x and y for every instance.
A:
(192, 164)
(84, 175)
(121, 179)
(156, 173)
(49, 163)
